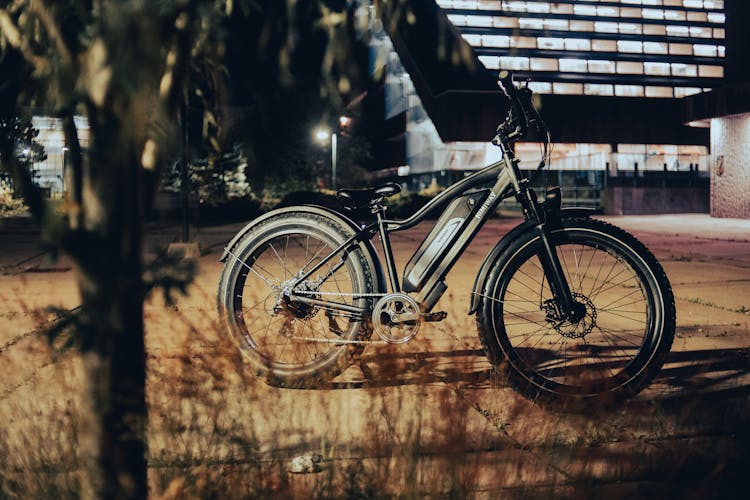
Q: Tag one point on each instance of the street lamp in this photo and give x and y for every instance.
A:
(321, 135)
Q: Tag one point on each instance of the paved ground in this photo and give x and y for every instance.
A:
(424, 417)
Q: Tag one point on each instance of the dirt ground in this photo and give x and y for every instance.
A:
(425, 418)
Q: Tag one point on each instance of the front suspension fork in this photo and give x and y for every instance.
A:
(565, 303)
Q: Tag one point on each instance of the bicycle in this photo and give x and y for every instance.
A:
(569, 307)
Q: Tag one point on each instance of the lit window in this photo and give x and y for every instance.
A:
(602, 66)
(523, 42)
(567, 88)
(577, 44)
(684, 49)
(561, 24)
(652, 91)
(656, 68)
(698, 32)
(629, 46)
(473, 40)
(479, 21)
(561, 8)
(514, 63)
(586, 26)
(603, 27)
(630, 68)
(653, 14)
(537, 7)
(540, 87)
(713, 4)
(630, 28)
(629, 90)
(685, 91)
(719, 33)
(630, 12)
(693, 3)
(654, 29)
(681, 69)
(710, 71)
(705, 50)
(495, 41)
(543, 64)
(604, 45)
(655, 48)
(716, 17)
(678, 31)
(721, 51)
(551, 43)
(575, 65)
(490, 62)
(697, 16)
(457, 20)
(598, 89)
(528, 23)
(513, 22)
(607, 11)
(674, 15)
(585, 10)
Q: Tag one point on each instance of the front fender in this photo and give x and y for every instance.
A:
(369, 250)
(504, 243)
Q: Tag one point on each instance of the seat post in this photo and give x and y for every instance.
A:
(378, 209)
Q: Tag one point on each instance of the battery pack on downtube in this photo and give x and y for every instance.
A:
(443, 236)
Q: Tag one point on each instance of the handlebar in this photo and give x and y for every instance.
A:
(523, 114)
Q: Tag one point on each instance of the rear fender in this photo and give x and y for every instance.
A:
(554, 219)
(368, 249)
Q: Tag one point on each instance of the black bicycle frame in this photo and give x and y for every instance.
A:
(508, 181)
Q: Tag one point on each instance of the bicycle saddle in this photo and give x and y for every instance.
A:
(356, 198)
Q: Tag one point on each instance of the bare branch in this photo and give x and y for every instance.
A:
(13, 35)
(42, 12)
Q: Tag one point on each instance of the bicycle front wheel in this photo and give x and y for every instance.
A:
(618, 346)
(294, 343)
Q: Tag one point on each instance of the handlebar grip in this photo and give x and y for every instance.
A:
(510, 90)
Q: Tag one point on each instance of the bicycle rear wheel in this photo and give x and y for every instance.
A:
(292, 343)
(619, 345)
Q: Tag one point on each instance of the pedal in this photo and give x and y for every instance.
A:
(436, 316)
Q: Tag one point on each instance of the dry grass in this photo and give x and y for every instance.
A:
(425, 418)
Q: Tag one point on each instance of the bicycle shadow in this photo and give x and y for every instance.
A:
(701, 374)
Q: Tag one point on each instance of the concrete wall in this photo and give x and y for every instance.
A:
(730, 166)
(655, 200)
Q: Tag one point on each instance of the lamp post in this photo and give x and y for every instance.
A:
(322, 135)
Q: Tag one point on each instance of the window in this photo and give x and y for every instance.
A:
(574, 65)
(629, 90)
(495, 41)
(656, 68)
(655, 47)
(543, 64)
(523, 42)
(601, 66)
(630, 68)
(479, 21)
(514, 63)
(604, 45)
(629, 46)
(652, 91)
(598, 89)
(603, 27)
(707, 71)
(680, 69)
(684, 49)
(551, 43)
(705, 50)
(541, 87)
(490, 62)
(577, 44)
(473, 40)
(567, 88)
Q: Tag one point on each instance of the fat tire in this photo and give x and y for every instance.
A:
(500, 352)
(342, 355)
